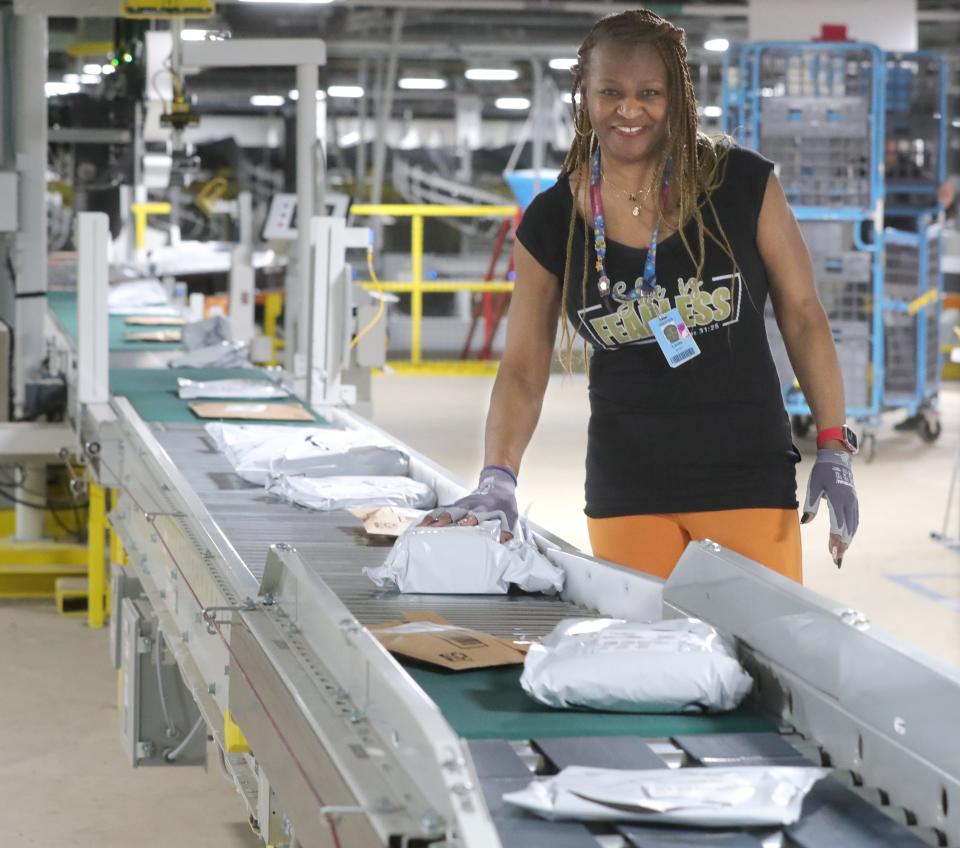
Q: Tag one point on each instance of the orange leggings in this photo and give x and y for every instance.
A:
(653, 543)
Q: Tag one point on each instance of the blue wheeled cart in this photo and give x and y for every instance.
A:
(828, 116)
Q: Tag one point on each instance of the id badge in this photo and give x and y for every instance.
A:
(674, 338)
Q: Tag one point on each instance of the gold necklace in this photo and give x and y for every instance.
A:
(637, 197)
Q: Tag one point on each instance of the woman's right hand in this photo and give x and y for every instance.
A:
(493, 499)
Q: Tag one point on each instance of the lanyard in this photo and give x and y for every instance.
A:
(647, 289)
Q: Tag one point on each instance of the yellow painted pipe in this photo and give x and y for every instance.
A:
(436, 288)
(923, 300)
(416, 296)
(409, 210)
(140, 212)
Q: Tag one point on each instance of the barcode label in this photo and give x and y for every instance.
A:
(682, 356)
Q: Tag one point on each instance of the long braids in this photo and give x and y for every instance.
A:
(698, 161)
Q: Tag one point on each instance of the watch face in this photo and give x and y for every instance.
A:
(850, 437)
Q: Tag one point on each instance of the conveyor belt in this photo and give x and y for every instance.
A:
(63, 304)
(479, 704)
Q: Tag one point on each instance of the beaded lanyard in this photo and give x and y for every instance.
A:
(647, 289)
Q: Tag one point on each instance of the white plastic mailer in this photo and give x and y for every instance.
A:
(136, 294)
(744, 796)
(260, 453)
(465, 561)
(220, 355)
(230, 389)
(678, 665)
(330, 493)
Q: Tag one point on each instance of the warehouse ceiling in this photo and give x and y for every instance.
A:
(444, 37)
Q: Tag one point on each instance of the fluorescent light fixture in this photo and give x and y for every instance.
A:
(73, 78)
(349, 139)
(293, 94)
(193, 34)
(292, 2)
(89, 79)
(716, 45)
(567, 97)
(108, 69)
(267, 100)
(512, 103)
(955, 122)
(492, 74)
(422, 83)
(93, 69)
(345, 91)
(54, 89)
(712, 111)
(562, 64)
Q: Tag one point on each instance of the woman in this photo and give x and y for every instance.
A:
(659, 246)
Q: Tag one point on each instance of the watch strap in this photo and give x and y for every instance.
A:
(832, 434)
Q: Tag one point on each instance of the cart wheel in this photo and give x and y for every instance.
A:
(801, 425)
(930, 429)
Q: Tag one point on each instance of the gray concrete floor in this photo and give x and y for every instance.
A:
(63, 777)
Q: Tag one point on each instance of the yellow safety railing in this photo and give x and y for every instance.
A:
(140, 212)
(416, 287)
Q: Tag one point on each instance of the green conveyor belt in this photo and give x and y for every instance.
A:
(153, 392)
(64, 306)
(489, 704)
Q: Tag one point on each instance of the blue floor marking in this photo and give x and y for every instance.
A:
(912, 582)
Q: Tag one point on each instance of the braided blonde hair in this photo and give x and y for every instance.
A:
(698, 160)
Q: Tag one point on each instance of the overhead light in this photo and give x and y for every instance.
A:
(349, 139)
(194, 34)
(89, 79)
(716, 45)
(955, 122)
(512, 103)
(93, 69)
(267, 100)
(712, 111)
(107, 69)
(492, 74)
(422, 83)
(293, 94)
(292, 2)
(345, 91)
(567, 97)
(71, 78)
(562, 64)
(55, 89)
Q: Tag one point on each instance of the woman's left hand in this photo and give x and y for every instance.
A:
(832, 478)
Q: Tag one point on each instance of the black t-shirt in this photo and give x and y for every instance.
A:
(711, 434)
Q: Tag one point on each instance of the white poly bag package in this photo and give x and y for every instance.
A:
(329, 493)
(743, 796)
(136, 294)
(221, 355)
(230, 389)
(465, 561)
(260, 453)
(679, 665)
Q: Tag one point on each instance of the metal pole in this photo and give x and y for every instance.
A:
(416, 296)
(385, 105)
(93, 239)
(298, 301)
(177, 144)
(361, 163)
(538, 139)
(31, 140)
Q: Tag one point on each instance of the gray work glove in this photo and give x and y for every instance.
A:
(494, 498)
(832, 478)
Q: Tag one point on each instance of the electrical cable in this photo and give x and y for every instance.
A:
(171, 727)
(380, 309)
(59, 507)
(172, 755)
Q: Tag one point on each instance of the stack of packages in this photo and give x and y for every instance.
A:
(320, 467)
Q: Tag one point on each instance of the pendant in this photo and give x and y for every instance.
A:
(636, 212)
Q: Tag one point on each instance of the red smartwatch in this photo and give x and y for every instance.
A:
(844, 435)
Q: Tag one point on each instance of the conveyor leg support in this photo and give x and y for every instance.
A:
(96, 561)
